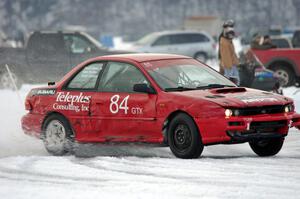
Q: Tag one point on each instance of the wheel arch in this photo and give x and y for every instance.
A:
(169, 118)
(285, 62)
(56, 113)
(201, 52)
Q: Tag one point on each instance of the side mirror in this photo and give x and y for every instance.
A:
(143, 88)
(51, 83)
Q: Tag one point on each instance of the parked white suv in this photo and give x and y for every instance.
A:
(199, 45)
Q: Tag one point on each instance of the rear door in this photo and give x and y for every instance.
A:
(162, 45)
(75, 101)
(124, 114)
(190, 44)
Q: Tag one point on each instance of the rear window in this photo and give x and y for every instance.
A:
(281, 43)
(163, 40)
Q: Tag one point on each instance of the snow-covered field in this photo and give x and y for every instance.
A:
(223, 171)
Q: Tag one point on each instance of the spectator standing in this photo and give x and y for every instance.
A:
(228, 58)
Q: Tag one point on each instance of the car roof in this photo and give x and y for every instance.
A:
(142, 57)
(175, 32)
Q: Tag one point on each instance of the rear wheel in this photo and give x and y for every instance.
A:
(184, 138)
(286, 75)
(267, 147)
(57, 135)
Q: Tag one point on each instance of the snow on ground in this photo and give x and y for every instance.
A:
(223, 171)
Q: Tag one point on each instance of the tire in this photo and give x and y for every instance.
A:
(286, 75)
(201, 56)
(184, 138)
(268, 147)
(60, 142)
(6, 82)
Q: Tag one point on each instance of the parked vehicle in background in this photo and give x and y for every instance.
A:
(296, 39)
(47, 56)
(285, 62)
(199, 45)
(281, 42)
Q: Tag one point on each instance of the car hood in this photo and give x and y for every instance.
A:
(237, 97)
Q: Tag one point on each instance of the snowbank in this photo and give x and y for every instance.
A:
(12, 139)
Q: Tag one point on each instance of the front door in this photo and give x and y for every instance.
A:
(124, 114)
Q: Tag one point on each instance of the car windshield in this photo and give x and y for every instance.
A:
(148, 39)
(185, 74)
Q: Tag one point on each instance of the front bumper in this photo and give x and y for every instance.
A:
(261, 127)
(246, 128)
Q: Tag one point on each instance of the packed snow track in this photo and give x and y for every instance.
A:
(223, 171)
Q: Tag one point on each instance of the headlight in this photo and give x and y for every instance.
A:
(286, 109)
(289, 108)
(228, 112)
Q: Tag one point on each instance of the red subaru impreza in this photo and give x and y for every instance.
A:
(156, 98)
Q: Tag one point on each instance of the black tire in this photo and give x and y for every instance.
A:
(67, 138)
(184, 138)
(201, 56)
(286, 74)
(268, 147)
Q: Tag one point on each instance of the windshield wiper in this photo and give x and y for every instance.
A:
(209, 86)
(179, 88)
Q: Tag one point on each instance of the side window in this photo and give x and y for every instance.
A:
(120, 77)
(87, 77)
(77, 44)
(188, 38)
(51, 43)
(195, 38)
(281, 43)
(163, 40)
(180, 39)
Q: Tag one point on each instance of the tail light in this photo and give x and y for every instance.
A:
(28, 105)
(214, 45)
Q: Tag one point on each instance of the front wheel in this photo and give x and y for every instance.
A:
(184, 138)
(267, 147)
(286, 75)
(57, 135)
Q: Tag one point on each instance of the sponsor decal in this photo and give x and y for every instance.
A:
(62, 97)
(69, 102)
(250, 99)
(44, 92)
(121, 105)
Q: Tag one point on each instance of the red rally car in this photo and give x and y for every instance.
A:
(163, 99)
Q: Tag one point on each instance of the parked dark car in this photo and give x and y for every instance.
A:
(48, 56)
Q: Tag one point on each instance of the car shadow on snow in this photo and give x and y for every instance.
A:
(119, 150)
(148, 151)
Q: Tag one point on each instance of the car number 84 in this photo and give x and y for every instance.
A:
(117, 104)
